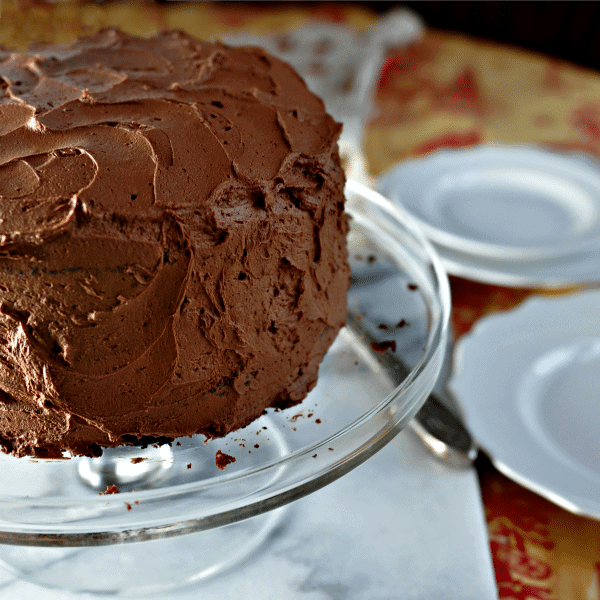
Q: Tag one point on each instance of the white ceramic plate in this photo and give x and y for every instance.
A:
(529, 383)
(510, 215)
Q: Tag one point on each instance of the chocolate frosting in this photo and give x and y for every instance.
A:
(172, 241)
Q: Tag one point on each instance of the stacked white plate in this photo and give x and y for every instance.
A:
(510, 215)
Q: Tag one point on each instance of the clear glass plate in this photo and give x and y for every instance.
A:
(165, 492)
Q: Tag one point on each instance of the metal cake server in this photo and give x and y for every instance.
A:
(437, 425)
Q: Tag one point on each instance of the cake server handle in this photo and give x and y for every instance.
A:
(440, 430)
(443, 433)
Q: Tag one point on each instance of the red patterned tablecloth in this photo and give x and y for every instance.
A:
(445, 90)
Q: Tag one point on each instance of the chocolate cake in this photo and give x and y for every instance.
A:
(172, 241)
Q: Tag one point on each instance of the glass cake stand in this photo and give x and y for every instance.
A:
(177, 518)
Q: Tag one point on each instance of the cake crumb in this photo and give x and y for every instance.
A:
(128, 505)
(402, 323)
(412, 287)
(256, 445)
(138, 459)
(317, 421)
(222, 460)
(381, 347)
(110, 489)
(314, 456)
(189, 465)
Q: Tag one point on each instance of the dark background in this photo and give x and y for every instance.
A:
(568, 30)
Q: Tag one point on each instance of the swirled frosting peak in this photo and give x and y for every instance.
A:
(172, 241)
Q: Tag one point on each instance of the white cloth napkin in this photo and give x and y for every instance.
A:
(400, 526)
